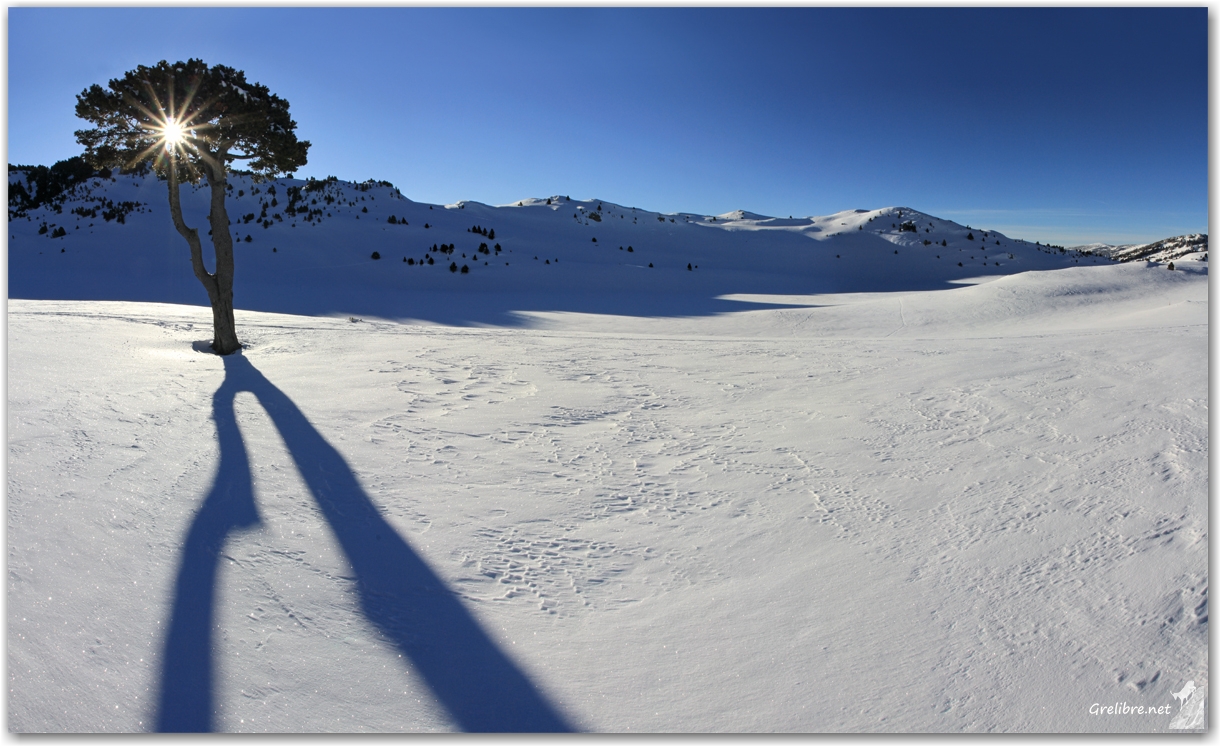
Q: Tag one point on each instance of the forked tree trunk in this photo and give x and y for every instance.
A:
(219, 286)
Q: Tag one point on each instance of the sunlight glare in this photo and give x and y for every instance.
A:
(173, 133)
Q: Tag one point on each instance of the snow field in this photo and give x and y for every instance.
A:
(979, 509)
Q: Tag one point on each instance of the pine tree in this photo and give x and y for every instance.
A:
(214, 116)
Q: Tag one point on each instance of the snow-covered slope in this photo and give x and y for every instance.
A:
(811, 485)
(1192, 247)
(312, 253)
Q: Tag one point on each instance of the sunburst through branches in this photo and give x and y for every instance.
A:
(172, 128)
(172, 133)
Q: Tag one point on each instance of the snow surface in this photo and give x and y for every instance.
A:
(809, 486)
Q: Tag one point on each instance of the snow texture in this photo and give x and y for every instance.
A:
(808, 486)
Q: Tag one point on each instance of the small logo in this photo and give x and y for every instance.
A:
(1194, 701)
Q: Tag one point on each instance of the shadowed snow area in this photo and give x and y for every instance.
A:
(808, 485)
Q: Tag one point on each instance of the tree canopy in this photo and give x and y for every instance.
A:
(209, 116)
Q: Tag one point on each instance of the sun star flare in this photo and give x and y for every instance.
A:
(173, 133)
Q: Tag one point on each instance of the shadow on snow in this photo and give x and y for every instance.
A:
(477, 683)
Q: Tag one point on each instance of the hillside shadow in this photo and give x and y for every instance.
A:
(482, 689)
(498, 309)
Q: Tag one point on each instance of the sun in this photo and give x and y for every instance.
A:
(173, 133)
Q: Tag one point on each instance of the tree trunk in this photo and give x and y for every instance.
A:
(224, 339)
(219, 286)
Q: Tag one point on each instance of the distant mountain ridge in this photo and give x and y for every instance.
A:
(1165, 250)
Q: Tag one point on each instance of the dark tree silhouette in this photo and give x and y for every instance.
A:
(190, 121)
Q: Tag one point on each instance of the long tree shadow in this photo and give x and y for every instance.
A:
(480, 687)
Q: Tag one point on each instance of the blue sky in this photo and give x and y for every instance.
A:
(1054, 124)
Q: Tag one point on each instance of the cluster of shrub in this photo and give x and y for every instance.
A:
(297, 206)
(318, 185)
(110, 210)
(364, 186)
(50, 186)
(410, 261)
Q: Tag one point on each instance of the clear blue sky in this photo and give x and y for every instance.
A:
(1053, 124)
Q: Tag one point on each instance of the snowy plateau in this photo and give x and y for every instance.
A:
(569, 465)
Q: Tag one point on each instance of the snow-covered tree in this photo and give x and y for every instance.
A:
(189, 121)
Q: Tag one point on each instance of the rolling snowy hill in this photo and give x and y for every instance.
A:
(825, 480)
(1192, 245)
(306, 247)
